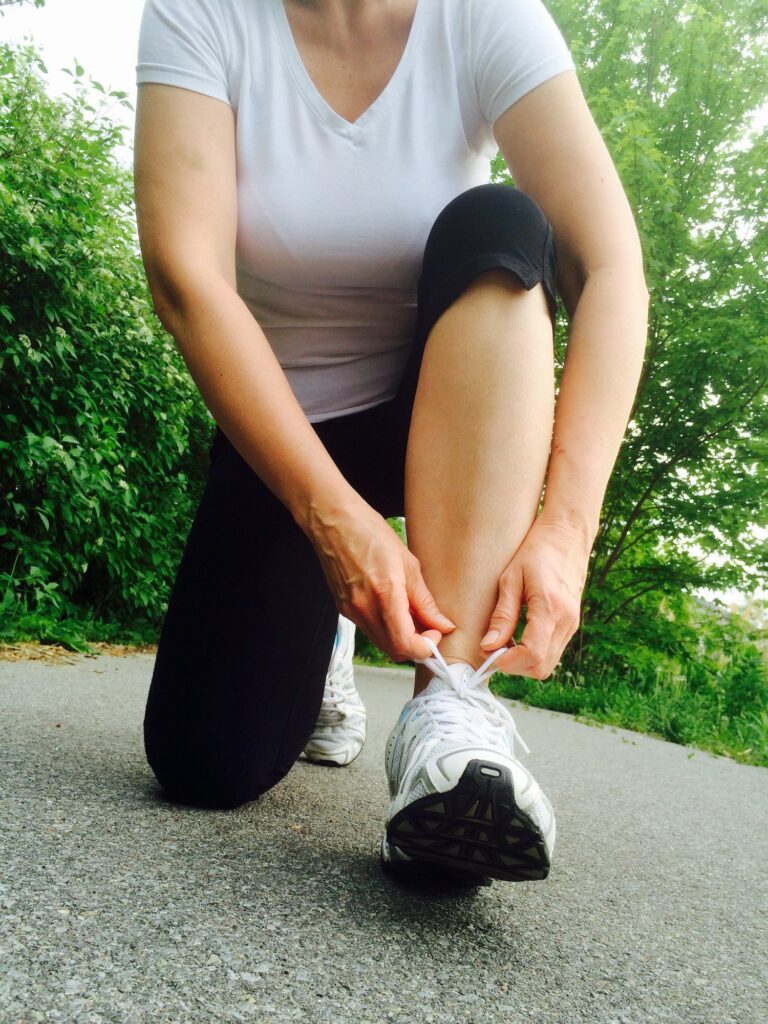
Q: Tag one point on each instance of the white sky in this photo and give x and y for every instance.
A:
(101, 35)
(103, 38)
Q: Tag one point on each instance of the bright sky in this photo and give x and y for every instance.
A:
(102, 36)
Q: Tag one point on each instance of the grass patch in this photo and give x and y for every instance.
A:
(382, 662)
(671, 712)
(84, 635)
(717, 717)
(367, 653)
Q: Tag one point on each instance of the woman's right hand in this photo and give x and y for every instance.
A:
(376, 581)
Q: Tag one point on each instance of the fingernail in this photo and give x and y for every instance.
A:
(490, 638)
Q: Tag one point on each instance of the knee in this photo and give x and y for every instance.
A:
(216, 779)
(210, 789)
(482, 228)
(498, 199)
(485, 217)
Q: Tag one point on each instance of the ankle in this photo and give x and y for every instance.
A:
(423, 673)
(463, 644)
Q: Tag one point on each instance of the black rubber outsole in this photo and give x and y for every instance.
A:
(474, 829)
(326, 762)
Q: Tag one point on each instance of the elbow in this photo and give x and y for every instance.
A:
(641, 284)
(164, 308)
(629, 277)
(611, 280)
(644, 292)
(573, 278)
(175, 294)
(164, 291)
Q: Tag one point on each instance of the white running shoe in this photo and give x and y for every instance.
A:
(341, 725)
(460, 799)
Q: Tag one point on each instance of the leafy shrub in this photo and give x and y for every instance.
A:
(714, 696)
(103, 434)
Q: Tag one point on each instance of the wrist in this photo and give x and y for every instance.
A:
(576, 523)
(316, 513)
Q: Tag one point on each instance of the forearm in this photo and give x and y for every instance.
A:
(604, 358)
(246, 390)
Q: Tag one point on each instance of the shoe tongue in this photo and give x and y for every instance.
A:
(458, 671)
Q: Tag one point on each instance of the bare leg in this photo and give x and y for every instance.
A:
(478, 448)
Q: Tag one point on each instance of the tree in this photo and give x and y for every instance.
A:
(18, 3)
(673, 87)
(103, 435)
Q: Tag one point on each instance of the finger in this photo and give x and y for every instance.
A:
(558, 645)
(361, 617)
(506, 613)
(405, 642)
(424, 604)
(562, 636)
(532, 655)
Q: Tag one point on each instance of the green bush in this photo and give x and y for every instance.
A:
(104, 435)
(713, 695)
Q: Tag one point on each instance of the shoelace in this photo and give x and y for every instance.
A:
(452, 718)
(333, 696)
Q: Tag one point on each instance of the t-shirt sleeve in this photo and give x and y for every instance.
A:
(184, 42)
(515, 45)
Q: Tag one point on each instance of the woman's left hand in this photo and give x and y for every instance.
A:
(547, 575)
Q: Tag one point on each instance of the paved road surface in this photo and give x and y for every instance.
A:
(119, 906)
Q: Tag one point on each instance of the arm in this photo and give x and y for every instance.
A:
(556, 154)
(565, 166)
(186, 204)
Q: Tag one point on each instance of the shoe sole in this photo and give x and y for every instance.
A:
(398, 865)
(329, 762)
(474, 828)
(326, 762)
(334, 758)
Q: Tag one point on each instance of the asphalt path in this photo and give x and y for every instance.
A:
(120, 906)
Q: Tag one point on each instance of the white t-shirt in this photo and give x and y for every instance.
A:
(333, 216)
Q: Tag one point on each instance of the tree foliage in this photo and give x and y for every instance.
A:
(673, 87)
(102, 432)
(20, 3)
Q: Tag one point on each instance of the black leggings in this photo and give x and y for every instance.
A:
(247, 638)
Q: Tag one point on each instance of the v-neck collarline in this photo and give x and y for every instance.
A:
(312, 94)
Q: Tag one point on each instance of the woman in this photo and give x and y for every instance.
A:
(371, 325)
